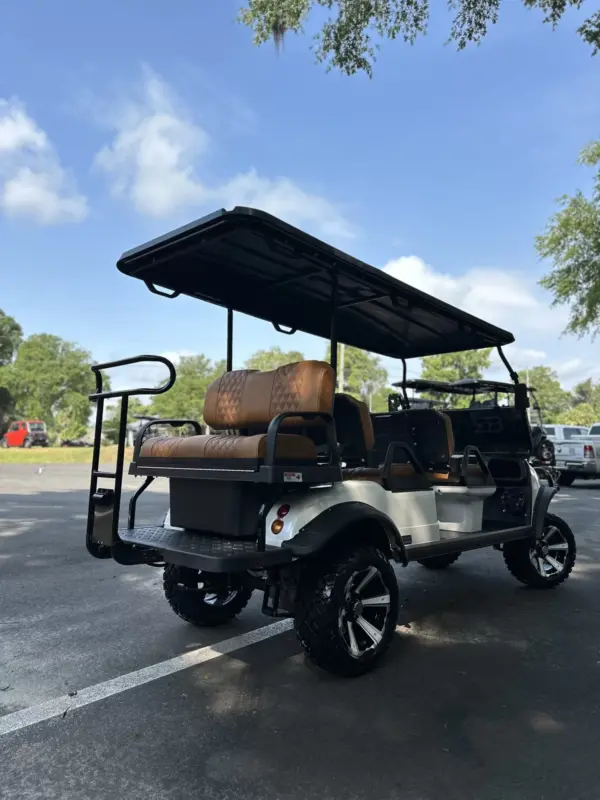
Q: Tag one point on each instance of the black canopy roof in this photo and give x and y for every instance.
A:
(254, 263)
(464, 386)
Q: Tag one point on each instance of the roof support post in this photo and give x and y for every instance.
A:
(404, 392)
(513, 375)
(229, 339)
(521, 395)
(333, 322)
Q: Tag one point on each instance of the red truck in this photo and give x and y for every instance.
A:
(26, 433)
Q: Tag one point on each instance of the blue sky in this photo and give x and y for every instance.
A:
(121, 121)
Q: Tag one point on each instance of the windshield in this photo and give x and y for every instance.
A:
(37, 427)
(549, 431)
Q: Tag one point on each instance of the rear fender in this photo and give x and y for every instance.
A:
(336, 521)
(540, 508)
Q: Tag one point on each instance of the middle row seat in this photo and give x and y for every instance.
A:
(427, 431)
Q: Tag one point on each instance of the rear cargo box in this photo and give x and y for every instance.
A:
(229, 509)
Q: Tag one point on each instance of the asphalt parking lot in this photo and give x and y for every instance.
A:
(490, 692)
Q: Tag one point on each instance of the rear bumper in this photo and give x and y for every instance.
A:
(209, 553)
(578, 467)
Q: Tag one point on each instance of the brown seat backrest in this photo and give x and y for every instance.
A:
(249, 400)
(354, 429)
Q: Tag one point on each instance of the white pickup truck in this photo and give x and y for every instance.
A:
(577, 451)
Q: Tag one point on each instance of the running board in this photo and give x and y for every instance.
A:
(461, 542)
(209, 553)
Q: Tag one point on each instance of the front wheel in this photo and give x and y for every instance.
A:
(3, 443)
(346, 611)
(27, 443)
(546, 562)
(205, 599)
(566, 478)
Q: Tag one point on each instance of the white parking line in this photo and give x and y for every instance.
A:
(61, 705)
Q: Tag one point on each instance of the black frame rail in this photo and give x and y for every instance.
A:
(99, 397)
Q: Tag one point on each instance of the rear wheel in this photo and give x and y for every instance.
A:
(205, 599)
(3, 442)
(546, 562)
(439, 562)
(346, 611)
(566, 478)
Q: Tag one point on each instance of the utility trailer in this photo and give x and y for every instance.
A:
(298, 491)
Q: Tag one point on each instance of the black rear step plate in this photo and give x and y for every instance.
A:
(202, 551)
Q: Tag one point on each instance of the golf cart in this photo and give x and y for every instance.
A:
(312, 498)
(485, 394)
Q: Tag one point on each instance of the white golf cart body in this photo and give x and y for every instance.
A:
(422, 518)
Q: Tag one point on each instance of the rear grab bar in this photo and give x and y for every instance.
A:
(97, 370)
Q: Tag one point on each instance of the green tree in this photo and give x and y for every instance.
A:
(454, 367)
(265, 360)
(50, 379)
(582, 414)
(11, 336)
(110, 427)
(186, 399)
(584, 392)
(587, 392)
(7, 406)
(552, 398)
(572, 243)
(72, 415)
(349, 39)
(361, 374)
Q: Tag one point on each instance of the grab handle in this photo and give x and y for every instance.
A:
(97, 370)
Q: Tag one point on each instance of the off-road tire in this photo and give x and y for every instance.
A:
(27, 443)
(189, 603)
(517, 557)
(566, 479)
(439, 562)
(319, 604)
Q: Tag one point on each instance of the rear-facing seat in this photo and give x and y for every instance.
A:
(247, 401)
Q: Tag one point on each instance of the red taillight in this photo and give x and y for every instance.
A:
(283, 511)
(588, 451)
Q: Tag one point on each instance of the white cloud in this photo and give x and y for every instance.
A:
(33, 183)
(151, 159)
(511, 301)
(282, 197)
(18, 130)
(502, 297)
(156, 157)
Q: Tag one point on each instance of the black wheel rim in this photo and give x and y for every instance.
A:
(549, 555)
(363, 617)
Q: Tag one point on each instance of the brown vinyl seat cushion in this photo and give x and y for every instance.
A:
(288, 447)
(248, 400)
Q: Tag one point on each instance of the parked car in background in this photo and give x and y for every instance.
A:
(26, 433)
(577, 451)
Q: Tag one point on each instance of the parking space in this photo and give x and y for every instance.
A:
(489, 691)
